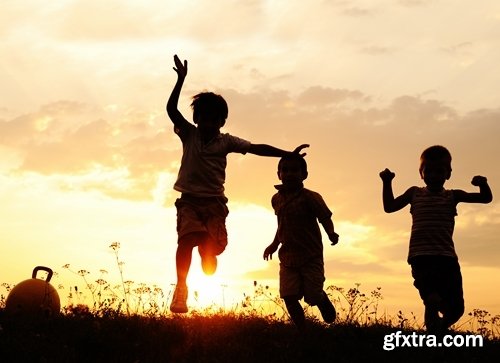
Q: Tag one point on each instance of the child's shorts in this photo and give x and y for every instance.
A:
(304, 281)
(203, 215)
(441, 275)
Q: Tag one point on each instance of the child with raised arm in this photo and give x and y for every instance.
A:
(202, 209)
(432, 257)
(302, 271)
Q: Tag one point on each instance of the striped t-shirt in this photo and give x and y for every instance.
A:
(433, 217)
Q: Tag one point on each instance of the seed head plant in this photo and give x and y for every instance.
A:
(100, 299)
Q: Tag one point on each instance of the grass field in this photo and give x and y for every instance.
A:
(82, 336)
(131, 323)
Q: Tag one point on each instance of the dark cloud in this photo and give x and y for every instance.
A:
(351, 140)
(350, 145)
(325, 96)
(69, 138)
(75, 152)
(357, 11)
(459, 49)
(351, 8)
(416, 3)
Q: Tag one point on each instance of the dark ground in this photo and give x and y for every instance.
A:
(219, 338)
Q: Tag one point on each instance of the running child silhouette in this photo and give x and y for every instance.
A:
(434, 262)
(302, 271)
(202, 206)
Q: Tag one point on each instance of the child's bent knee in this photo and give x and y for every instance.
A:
(433, 300)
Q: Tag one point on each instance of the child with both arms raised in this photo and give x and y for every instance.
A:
(302, 272)
(434, 262)
(202, 207)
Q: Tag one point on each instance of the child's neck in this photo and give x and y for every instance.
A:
(207, 137)
(290, 188)
(435, 189)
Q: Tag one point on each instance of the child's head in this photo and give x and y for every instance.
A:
(209, 110)
(292, 169)
(435, 165)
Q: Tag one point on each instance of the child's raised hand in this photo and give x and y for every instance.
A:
(180, 67)
(479, 180)
(299, 148)
(387, 175)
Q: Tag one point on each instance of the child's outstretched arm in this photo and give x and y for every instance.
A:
(172, 109)
(484, 195)
(392, 204)
(268, 150)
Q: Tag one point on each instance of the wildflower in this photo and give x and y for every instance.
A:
(115, 246)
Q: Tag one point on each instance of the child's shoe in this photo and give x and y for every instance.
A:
(435, 325)
(327, 309)
(179, 301)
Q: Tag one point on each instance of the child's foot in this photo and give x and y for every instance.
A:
(435, 326)
(433, 321)
(208, 261)
(179, 301)
(327, 309)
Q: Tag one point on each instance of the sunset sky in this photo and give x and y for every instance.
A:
(88, 155)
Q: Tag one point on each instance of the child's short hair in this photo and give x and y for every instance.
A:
(435, 153)
(294, 157)
(211, 104)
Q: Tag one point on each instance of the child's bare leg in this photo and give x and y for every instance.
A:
(184, 255)
(183, 258)
(296, 312)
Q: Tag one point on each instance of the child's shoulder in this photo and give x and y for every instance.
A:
(311, 193)
(185, 129)
(414, 190)
(234, 142)
(312, 196)
(227, 135)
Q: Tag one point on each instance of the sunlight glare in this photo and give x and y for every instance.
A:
(205, 291)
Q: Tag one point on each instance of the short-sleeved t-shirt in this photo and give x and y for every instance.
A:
(203, 166)
(298, 229)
